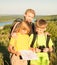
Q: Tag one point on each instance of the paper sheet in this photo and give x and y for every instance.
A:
(28, 55)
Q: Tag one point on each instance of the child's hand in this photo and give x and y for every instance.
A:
(46, 50)
(33, 49)
(37, 50)
(17, 53)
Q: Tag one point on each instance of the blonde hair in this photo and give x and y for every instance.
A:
(23, 26)
(30, 11)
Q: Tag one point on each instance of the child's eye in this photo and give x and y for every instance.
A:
(24, 28)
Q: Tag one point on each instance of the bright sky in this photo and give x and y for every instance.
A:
(41, 7)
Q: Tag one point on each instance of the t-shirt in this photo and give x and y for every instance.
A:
(21, 42)
(40, 41)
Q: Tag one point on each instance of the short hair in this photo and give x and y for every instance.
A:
(41, 22)
(30, 10)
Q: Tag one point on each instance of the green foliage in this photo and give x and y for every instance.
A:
(53, 59)
(1, 59)
(52, 29)
(4, 41)
(4, 55)
(9, 17)
(48, 18)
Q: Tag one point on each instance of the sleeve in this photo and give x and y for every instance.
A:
(12, 41)
(50, 43)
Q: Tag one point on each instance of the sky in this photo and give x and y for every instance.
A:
(16, 7)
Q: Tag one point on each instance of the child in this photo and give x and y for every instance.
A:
(19, 43)
(40, 44)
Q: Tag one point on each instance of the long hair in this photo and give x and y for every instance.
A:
(23, 26)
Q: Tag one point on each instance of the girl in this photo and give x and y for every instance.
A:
(21, 42)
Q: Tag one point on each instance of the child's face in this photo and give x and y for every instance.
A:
(29, 17)
(23, 31)
(41, 29)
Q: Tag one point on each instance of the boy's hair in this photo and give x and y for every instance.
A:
(23, 26)
(41, 22)
(30, 10)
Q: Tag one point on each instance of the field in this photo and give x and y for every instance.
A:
(12, 17)
(9, 17)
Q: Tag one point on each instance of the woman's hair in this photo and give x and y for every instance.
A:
(23, 26)
(30, 11)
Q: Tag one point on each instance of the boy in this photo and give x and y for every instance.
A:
(40, 44)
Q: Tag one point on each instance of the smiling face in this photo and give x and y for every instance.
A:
(29, 17)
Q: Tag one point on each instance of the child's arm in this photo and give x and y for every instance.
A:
(51, 44)
(50, 49)
(11, 50)
(37, 50)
